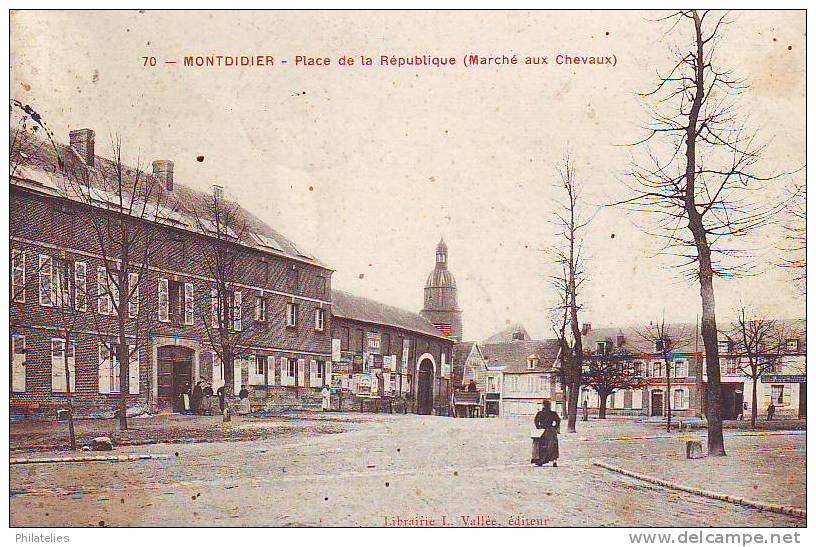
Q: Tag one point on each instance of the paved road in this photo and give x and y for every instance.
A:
(411, 467)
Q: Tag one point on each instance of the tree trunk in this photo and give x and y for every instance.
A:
(68, 398)
(229, 382)
(123, 355)
(668, 397)
(754, 406)
(572, 408)
(602, 406)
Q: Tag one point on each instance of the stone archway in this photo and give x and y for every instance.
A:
(425, 384)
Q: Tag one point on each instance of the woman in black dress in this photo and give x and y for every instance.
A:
(545, 447)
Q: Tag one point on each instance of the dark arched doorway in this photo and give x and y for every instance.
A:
(425, 374)
(175, 374)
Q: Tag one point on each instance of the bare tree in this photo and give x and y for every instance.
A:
(698, 178)
(567, 255)
(758, 345)
(224, 228)
(125, 205)
(666, 343)
(608, 372)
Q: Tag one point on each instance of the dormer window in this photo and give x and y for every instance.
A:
(532, 362)
(724, 346)
(792, 345)
(602, 347)
(659, 345)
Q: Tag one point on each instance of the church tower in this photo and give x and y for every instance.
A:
(441, 307)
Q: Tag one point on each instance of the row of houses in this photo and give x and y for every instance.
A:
(293, 334)
(517, 373)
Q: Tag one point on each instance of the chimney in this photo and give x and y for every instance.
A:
(163, 170)
(619, 340)
(585, 328)
(82, 141)
(218, 192)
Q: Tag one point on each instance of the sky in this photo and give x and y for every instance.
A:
(369, 166)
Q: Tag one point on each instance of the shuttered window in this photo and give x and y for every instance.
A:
(189, 306)
(18, 275)
(103, 297)
(133, 289)
(59, 382)
(133, 371)
(237, 311)
(164, 300)
(46, 281)
(81, 286)
(18, 363)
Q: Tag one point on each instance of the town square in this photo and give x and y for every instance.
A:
(355, 269)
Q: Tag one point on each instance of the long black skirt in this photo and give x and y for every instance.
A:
(545, 448)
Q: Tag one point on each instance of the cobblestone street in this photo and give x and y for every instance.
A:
(416, 467)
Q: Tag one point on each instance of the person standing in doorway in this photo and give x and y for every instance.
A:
(326, 395)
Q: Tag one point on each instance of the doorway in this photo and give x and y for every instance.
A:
(425, 387)
(175, 375)
(657, 403)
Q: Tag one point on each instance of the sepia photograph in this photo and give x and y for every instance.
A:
(408, 269)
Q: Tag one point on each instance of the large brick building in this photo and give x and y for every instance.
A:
(382, 352)
(281, 301)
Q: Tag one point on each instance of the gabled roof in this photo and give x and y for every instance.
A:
(507, 333)
(47, 167)
(513, 355)
(349, 306)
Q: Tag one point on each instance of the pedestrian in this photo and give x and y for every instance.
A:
(222, 398)
(243, 395)
(545, 446)
(184, 398)
(771, 411)
(197, 396)
(208, 398)
(326, 394)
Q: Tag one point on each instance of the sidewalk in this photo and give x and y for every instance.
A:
(765, 466)
(173, 428)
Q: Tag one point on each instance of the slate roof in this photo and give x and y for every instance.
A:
(349, 306)
(43, 165)
(513, 355)
(686, 336)
(461, 351)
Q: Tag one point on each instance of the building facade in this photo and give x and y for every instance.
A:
(441, 307)
(281, 301)
(381, 352)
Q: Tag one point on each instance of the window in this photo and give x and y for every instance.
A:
(532, 362)
(637, 368)
(657, 369)
(291, 314)
(732, 365)
(680, 368)
(724, 346)
(320, 316)
(602, 347)
(235, 310)
(321, 285)
(175, 300)
(778, 394)
(680, 400)
(345, 334)
(792, 345)
(257, 371)
(62, 284)
(133, 288)
(18, 363)
(18, 275)
(164, 300)
(261, 308)
(59, 382)
(189, 304)
(81, 286)
(46, 281)
(108, 369)
(492, 384)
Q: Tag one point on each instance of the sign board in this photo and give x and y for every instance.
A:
(373, 342)
(406, 346)
(784, 379)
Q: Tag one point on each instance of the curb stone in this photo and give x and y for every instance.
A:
(87, 459)
(770, 507)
